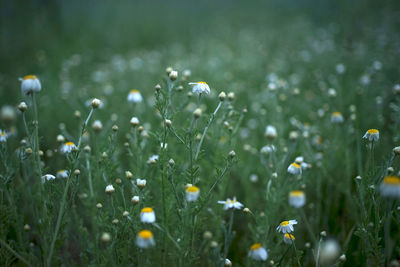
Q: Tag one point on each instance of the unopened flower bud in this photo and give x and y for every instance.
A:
(197, 113)
(115, 128)
(173, 75)
(168, 70)
(77, 172)
(128, 175)
(96, 103)
(231, 96)
(232, 154)
(168, 123)
(222, 96)
(106, 237)
(22, 106)
(99, 205)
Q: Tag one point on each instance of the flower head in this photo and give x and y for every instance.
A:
(270, 132)
(297, 199)
(294, 168)
(147, 215)
(135, 96)
(145, 239)
(231, 204)
(372, 135)
(68, 147)
(288, 238)
(62, 174)
(141, 182)
(30, 84)
(192, 193)
(258, 252)
(286, 226)
(200, 88)
(390, 187)
(110, 189)
(47, 177)
(337, 117)
(3, 136)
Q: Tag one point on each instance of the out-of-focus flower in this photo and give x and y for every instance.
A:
(390, 187)
(200, 88)
(337, 117)
(288, 238)
(145, 239)
(286, 226)
(147, 215)
(231, 204)
(30, 84)
(68, 147)
(258, 252)
(297, 199)
(372, 135)
(192, 193)
(294, 168)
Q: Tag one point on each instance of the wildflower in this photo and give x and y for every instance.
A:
(97, 126)
(227, 263)
(329, 252)
(197, 113)
(297, 199)
(30, 84)
(192, 193)
(110, 189)
(270, 132)
(96, 103)
(145, 239)
(173, 75)
(128, 175)
(147, 215)
(268, 149)
(135, 96)
(153, 159)
(47, 177)
(231, 204)
(3, 136)
(286, 226)
(258, 252)
(288, 238)
(390, 186)
(141, 183)
(222, 96)
(22, 106)
(134, 121)
(62, 174)
(68, 147)
(135, 199)
(372, 135)
(7, 113)
(294, 168)
(396, 150)
(337, 117)
(200, 88)
(231, 96)
(106, 237)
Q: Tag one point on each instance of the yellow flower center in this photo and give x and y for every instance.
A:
(297, 193)
(256, 246)
(202, 82)
(289, 236)
(134, 91)
(69, 143)
(27, 77)
(145, 234)
(337, 114)
(391, 180)
(3, 134)
(147, 209)
(61, 171)
(296, 165)
(192, 189)
(372, 131)
(284, 223)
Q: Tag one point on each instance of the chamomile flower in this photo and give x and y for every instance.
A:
(258, 252)
(390, 187)
(270, 132)
(153, 159)
(372, 135)
(95, 103)
(337, 117)
(68, 147)
(286, 226)
(3, 136)
(288, 238)
(30, 84)
(297, 199)
(231, 204)
(200, 88)
(294, 168)
(110, 189)
(48, 177)
(141, 182)
(145, 239)
(192, 193)
(147, 215)
(135, 96)
(62, 174)
(268, 149)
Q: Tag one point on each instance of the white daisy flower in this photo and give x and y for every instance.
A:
(270, 132)
(153, 159)
(286, 226)
(141, 182)
(147, 215)
(231, 204)
(47, 177)
(95, 103)
(134, 121)
(337, 117)
(68, 147)
(145, 239)
(372, 135)
(288, 238)
(258, 252)
(192, 193)
(135, 96)
(390, 187)
(62, 174)
(30, 84)
(110, 189)
(135, 199)
(3, 136)
(294, 168)
(297, 199)
(268, 149)
(200, 88)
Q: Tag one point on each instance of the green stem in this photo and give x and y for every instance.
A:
(295, 252)
(4, 244)
(36, 141)
(228, 237)
(89, 176)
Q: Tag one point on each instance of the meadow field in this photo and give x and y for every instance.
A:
(208, 133)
